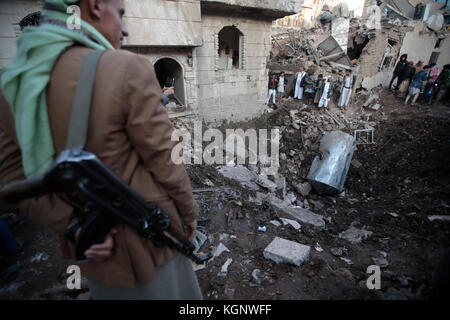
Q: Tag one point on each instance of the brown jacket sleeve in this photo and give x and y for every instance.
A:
(150, 130)
(49, 211)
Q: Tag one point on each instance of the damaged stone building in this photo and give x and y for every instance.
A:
(214, 52)
(370, 45)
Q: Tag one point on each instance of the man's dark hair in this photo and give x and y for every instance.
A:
(447, 67)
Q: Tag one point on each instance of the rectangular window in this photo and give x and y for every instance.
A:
(434, 57)
(386, 63)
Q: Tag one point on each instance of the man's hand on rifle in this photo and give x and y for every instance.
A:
(102, 251)
(191, 228)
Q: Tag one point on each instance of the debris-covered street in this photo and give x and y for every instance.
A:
(392, 213)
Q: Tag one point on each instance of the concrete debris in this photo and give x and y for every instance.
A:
(336, 252)
(224, 269)
(262, 228)
(290, 197)
(376, 106)
(300, 214)
(293, 223)
(392, 214)
(265, 182)
(381, 262)
(255, 276)
(356, 164)
(355, 235)
(240, 174)
(275, 223)
(439, 218)
(198, 240)
(303, 188)
(318, 248)
(219, 250)
(348, 261)
(285, 251)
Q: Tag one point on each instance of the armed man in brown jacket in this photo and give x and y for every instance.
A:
(130, 132)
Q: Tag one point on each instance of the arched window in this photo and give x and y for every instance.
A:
(170, 73)
(230, 48)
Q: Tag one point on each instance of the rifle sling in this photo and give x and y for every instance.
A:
(79, 118)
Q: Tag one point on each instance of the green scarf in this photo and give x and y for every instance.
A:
(25, 80)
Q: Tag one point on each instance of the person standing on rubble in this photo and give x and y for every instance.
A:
(442, 83)
(346, 89)
(325, 92)
(298, 94)
(417, 84)
(406, 75)
(308, 88)
(432, 77)
(128, 130)
(318, 85)
(401, 65)
(282, 82)
(273, 84)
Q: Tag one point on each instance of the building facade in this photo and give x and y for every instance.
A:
(214, 52)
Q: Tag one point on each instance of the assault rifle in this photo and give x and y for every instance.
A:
(103, 200)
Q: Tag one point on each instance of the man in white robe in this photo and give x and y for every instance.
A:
(346, 90)
(298, 88)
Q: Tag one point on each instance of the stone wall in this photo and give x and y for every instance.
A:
(236, 94)
(163, 22)
(11, 13)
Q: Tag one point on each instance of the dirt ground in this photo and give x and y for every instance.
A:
(402, 181)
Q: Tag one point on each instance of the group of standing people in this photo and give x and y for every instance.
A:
(427, 79)
(312, 91)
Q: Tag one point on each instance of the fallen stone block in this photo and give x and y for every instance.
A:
(355, 235)
(285, 251)
(240, 174)
(300, 214)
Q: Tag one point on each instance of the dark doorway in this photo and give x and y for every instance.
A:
(169, 71)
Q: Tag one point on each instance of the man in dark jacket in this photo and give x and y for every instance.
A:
(401, 65)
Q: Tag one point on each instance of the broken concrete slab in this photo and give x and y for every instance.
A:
(240, 174)
(300, 214)
(266, 183)
(355, 235)
(286, 251)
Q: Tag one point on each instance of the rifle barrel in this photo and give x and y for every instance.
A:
(17, 191)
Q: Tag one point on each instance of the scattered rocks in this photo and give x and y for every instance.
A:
(303, 188)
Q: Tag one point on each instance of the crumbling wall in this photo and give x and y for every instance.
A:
(11, 13)
(419, 43)
(235, 94)
(370, 60)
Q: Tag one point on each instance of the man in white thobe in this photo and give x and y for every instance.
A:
(298, 88)
(346, 90)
